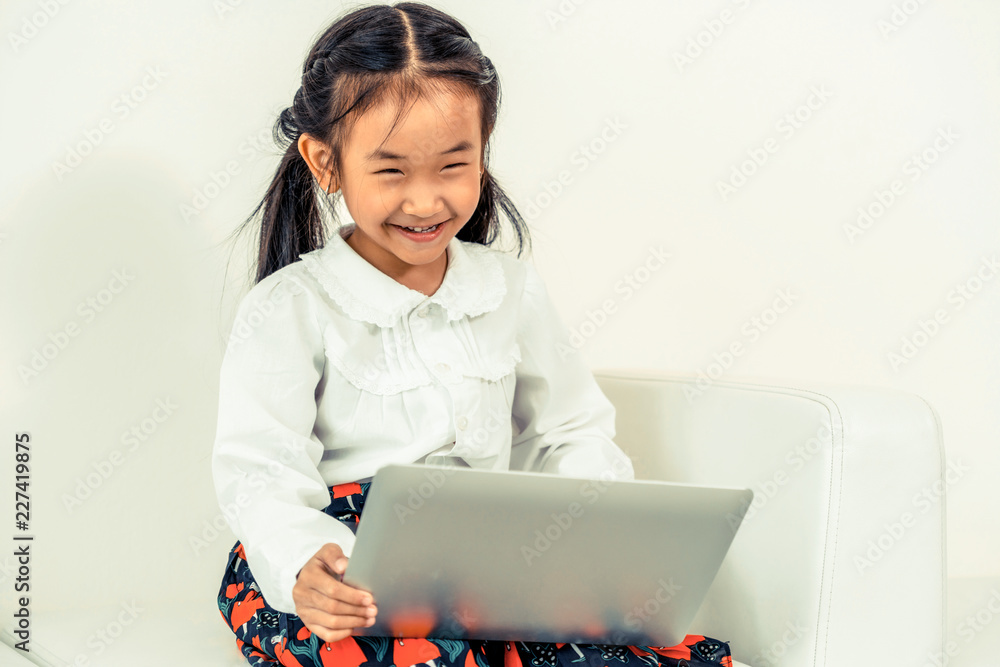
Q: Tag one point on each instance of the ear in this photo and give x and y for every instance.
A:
(317, 154)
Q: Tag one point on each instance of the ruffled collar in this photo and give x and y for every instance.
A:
(473, 282)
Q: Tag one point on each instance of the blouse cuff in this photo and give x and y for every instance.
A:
(594, 458)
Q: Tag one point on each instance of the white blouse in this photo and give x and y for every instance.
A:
(333, 369)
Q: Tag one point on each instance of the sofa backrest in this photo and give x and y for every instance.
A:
(841, 552)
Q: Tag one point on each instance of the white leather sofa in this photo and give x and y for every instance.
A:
(840, 561)
(834, 565)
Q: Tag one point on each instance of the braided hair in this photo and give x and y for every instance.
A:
(370, 56)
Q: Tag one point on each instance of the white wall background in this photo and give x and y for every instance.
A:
(223, 76)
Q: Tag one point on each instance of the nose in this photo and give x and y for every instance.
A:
(422, 200)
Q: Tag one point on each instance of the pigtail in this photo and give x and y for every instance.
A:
(482, 228)
(292, 223)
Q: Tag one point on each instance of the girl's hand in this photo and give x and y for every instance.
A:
(326, 605)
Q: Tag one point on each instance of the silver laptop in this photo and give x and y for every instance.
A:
(461, 553)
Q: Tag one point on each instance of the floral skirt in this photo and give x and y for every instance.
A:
(267, 636)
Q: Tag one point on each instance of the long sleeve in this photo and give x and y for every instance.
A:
(567, 424)
(265, 455)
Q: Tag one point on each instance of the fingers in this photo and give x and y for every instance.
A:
(326, 605)
(321, 585)
(331, 627)
(333, 562)
(351, 600)
(326, 634)
(328, 616)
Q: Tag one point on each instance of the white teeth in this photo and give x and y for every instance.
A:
(419, 229)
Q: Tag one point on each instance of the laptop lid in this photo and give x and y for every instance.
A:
(463, 553)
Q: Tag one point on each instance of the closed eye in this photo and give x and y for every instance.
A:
(391, 170)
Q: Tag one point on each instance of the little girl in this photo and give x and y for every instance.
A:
(404, 337)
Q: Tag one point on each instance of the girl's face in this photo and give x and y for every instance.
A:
(427, 173)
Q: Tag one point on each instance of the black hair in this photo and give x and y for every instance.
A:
(361, 60)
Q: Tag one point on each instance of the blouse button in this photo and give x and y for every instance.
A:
(422, 312)
(462, 422)
(443, 367)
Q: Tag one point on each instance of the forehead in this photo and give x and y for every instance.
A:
(433, 123)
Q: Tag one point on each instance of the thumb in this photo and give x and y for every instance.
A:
(333, 559)
(339, 567)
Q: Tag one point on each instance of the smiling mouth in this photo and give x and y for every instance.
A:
(421, 230)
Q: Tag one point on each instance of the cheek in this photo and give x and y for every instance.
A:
(375, 202)
(470, 195)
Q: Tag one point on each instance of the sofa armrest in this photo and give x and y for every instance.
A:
(840, 558)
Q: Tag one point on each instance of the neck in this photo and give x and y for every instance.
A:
(423, 278)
